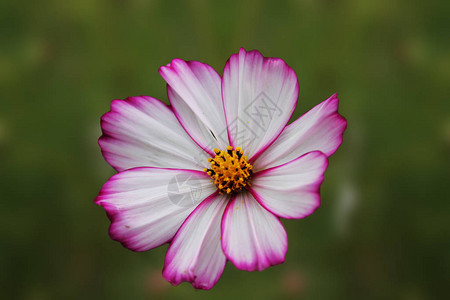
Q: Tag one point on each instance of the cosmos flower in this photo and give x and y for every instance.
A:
(213, 173)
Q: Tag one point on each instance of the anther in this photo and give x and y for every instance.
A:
(230, 170)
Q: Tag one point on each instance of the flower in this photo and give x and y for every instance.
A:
(213, 172)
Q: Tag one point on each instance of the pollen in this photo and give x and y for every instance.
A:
(230, 171)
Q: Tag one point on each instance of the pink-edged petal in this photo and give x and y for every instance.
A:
(252, 237)
(259, 96)
(320, 129)
(195, 254)
(143, 131)
(147, 206)
(291, 190)
(195, 94)
(192, 124)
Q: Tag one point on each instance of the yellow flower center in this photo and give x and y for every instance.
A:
(230, 170)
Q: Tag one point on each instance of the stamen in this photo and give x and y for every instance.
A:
(230, 170)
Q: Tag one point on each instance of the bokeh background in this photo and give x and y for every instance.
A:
(383, 230)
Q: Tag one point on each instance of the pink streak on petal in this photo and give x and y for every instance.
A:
(320, 129)
(252, 237)
(195, 254)
(291, 190)
(138, 203)
(246, 76)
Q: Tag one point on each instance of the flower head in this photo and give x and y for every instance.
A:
(213, 172)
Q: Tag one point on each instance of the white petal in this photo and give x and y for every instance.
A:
(195, 94)
(252, 237)
(320, 129)
(291, 190)
(259, 97)
(148, 205)
(195, 254)
(142, 131)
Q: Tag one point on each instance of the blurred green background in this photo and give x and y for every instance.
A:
(383, 230)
